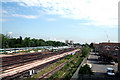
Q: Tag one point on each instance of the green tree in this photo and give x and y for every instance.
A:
(85, 70)
(8, 42)
(5, 39)
(58, 43)
(91, 46)
(20, 39)
(49, 43)
(26, 42)
(86, 45)
(85, 51)
(42, 42)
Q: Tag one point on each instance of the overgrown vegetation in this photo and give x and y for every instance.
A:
(85, 69)
(69, 69)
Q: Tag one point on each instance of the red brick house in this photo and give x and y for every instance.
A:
(96, 46)
(110, 50)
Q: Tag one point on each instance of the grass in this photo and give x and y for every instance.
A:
(67, 71)
(49, 68)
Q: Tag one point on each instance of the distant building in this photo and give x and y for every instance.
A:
(71, 42)
(66, 42)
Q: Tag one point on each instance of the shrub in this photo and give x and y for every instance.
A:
(85, 70)
(69, 57)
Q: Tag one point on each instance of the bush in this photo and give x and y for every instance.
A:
(85, 70)
(69, 57)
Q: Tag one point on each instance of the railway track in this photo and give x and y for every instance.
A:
(46, 75)
(19, 60)
(17, 63)
(52, 71)
(23, 74)
(45, 55)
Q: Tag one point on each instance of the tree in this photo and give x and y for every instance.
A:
(8, 42)
(5, 39)
(85, 70)
(49, 43)
(77, 44)
(42, 42)
(86, 45)
(34, 41)
(26, 42)
(91, 46)
(20, 40)
(85, 51)
(58, 43)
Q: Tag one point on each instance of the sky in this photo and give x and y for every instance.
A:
(82, 21)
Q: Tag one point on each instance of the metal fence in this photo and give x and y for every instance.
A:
(75, 75)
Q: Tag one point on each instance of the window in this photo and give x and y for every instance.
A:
(107, 47)
(116, 47)
(115, 54)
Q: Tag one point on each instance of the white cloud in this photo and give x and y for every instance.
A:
(99, 12)
(9, 32)
(25, 16)
(3, 11)
(22, 4)
(51, 19)
(3, 20)
(105, 23)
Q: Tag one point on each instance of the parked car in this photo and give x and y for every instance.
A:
(112, 62)
(110, 71)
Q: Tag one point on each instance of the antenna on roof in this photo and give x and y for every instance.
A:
(107, 37)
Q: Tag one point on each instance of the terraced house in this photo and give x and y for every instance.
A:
(109, 51)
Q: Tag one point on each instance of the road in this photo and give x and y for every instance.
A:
(99, 68)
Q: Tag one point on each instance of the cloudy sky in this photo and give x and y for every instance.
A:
(78, 20)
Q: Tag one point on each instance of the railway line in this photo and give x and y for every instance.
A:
(22, 68)
(52, 71)
(24, 74)
(46, 75)
(19, 60)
